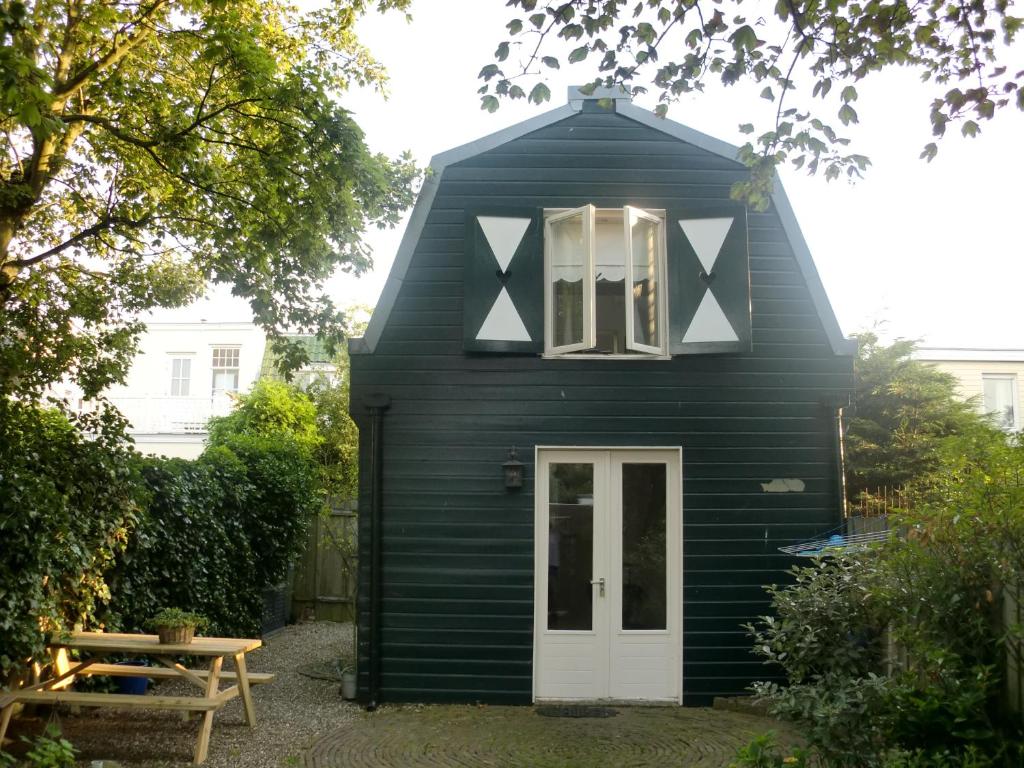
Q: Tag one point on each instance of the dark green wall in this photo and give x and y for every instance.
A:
(458, 548)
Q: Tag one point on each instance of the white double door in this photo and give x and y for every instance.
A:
(608, 580)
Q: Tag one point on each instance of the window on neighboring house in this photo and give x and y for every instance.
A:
(1000, 399)
(181, 376)
(315, 373)
(604, 274)
(225, 369)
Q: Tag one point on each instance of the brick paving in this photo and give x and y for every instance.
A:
(516, 737)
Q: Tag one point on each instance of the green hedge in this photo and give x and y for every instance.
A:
(217, 532)
(96, 536)
(70, 493)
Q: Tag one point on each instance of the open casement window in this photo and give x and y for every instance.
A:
(603, 273)
(622, 282)
(645, 309)
(569, 295)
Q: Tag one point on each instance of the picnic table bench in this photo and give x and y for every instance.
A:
(94, 647)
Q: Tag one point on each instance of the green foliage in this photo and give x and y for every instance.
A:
(803, 52)
(149, 147)
(762, 752)
(938, 592)
(217, 533)
(48, 750)
(175, 618)
(903, 409)
(190, 548)
(970, 757)
(69, 496)
(271, 408)
(282, 500)
(825, 637)
(338, 455)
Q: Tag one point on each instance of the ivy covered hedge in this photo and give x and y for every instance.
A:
(217, 532)
(70, 495)
(97, 536)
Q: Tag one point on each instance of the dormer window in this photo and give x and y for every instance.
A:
(604, 271)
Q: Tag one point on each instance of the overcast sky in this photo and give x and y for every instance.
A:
(933, 250)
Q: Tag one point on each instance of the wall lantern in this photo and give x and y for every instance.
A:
(513, 470)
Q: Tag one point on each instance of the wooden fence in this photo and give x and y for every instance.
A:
(324, 586)
(1012, 616)
(1009, 622)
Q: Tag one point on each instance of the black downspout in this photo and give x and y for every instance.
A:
(376, 404)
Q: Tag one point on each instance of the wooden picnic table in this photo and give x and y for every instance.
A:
(94, 647)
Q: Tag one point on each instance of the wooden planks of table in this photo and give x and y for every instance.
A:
(94, 647)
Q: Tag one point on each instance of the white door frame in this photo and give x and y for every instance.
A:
(674, 537)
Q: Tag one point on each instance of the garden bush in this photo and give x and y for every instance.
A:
(217, 532)
(97, 537)
(935, 591)
(190, 549)
(70, 493)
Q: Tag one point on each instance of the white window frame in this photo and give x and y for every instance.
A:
(589, 340)
(183, 358)
(1014, 395)
(629, 215)
(214, 368)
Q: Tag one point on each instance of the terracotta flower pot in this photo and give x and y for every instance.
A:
(175, 635)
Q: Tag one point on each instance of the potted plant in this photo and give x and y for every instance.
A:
(175, 626)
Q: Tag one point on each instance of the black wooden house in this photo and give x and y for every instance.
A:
(666, 366)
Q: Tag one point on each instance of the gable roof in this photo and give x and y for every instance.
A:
(403, 258)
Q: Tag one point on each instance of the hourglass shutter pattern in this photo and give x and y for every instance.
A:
(503, 282)
(709, 280)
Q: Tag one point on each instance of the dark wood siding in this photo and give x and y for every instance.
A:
(458, 548)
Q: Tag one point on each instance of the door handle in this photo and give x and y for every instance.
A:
(600, 583)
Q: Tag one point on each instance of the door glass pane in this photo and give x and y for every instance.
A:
(645, 281)
(570, 546)
(568, 260)
(610, 283)
(644, 579)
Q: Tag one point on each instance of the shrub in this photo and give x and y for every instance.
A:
(69, 497)
(762, 752)
(282, 500)
(825, 637)
(937, 591)
(272, 407)
(190, 549)
(217, 532)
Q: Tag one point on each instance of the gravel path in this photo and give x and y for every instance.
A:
(291, 713)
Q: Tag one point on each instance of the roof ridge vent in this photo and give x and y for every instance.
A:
(616, 94)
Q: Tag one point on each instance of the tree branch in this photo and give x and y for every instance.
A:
(115, 54)
(104, 224)
(147, 143)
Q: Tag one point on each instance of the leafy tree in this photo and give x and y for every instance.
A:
(338, 456)
(803, 50)
(272, 408)
(151, 146)
(903, 409)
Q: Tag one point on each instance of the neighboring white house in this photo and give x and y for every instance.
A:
(992, 376)
(185, 373)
